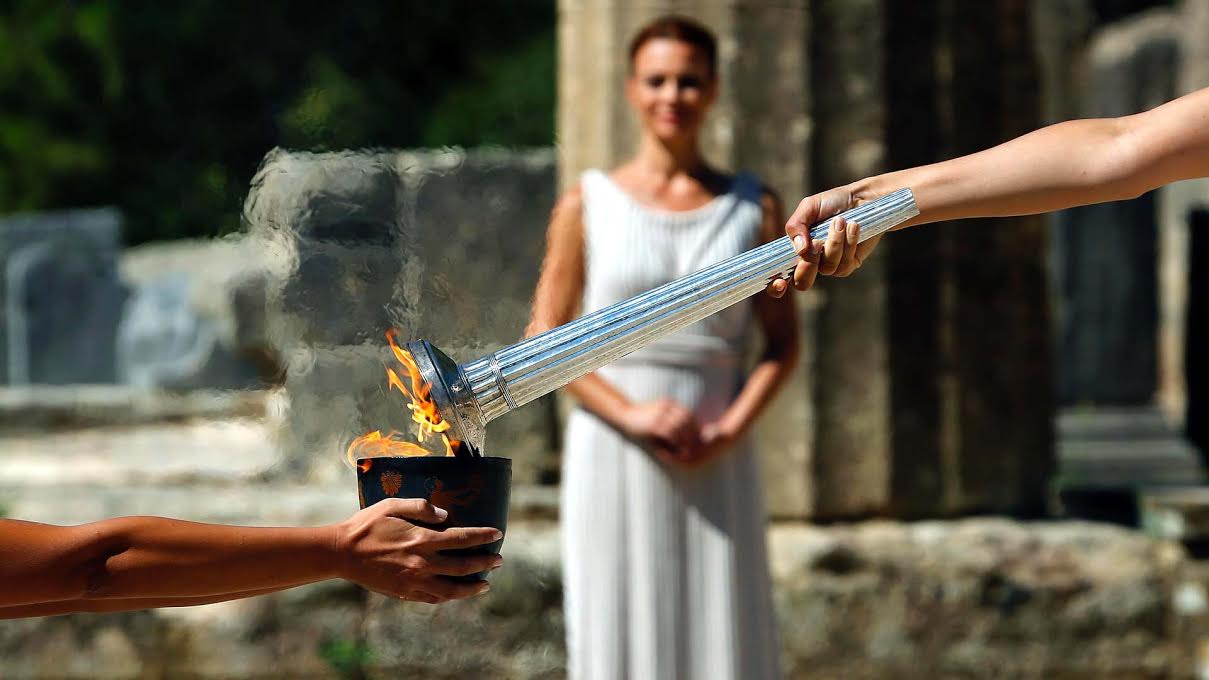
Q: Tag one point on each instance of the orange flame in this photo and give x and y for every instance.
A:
(423, 413)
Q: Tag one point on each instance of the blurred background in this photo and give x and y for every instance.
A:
(990, 462)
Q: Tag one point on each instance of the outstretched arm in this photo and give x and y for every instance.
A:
(1061, 166)
(141, 562)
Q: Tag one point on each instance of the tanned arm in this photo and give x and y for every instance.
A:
(1061, 166)
(141, 562)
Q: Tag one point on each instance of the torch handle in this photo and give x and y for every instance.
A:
(520, 373)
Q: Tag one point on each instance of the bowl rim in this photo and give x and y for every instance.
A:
(439, 461)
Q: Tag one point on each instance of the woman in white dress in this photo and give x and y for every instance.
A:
(663, 522)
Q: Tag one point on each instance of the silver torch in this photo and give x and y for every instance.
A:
(470, 395)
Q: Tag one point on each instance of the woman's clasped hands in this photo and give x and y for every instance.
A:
(674, 435)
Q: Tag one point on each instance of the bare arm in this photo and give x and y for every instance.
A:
(135, 557)
(1069, 164)
(669, 426)
(557, 298)
(139, 562)
(778, 322)
(1061, 166)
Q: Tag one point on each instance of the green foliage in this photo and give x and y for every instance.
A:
(346, 657)
(484, 109)
(165, 109)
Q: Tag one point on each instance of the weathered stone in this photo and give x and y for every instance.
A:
(363, 241)
(968, 315)
(38, 408)
(226, 452)
(850, 470)
(956, 599)
(1109, 458)
(1178, 514)
(59, 276)
(162, 342)
(867, 600)
(114, 647)
(215, 293)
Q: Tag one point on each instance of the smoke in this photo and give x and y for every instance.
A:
(442, 245)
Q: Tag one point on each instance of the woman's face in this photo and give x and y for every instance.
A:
(671, 88)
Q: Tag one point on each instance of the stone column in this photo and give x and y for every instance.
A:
(1187, 213)
(968, 314)
(933, 385)
(850, 471)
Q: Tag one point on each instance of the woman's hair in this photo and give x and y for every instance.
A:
(679, 28)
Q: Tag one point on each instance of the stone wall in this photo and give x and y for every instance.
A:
(58, 276)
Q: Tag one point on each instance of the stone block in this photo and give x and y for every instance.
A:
(477, 223)
(59, 278)
(162, 342)
(196, 317)
(958, 599)
(42, 408)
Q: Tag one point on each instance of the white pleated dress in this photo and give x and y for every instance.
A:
(666, 569)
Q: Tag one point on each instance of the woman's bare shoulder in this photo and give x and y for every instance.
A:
(570, 203)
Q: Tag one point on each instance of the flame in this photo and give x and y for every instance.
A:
(423, 413)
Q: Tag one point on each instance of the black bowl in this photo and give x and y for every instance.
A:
(473, 490)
